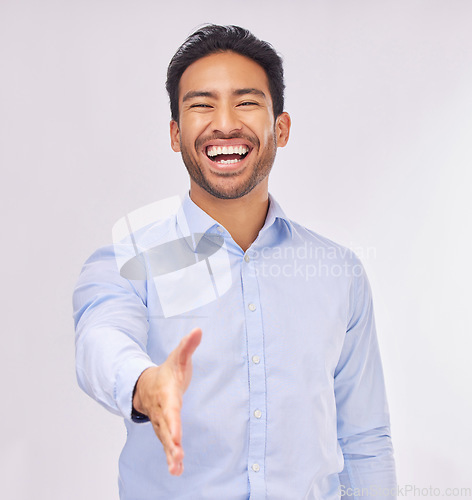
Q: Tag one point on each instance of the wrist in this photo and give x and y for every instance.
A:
(137, 412)
(138, 407)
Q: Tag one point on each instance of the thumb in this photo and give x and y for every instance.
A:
(188, 345)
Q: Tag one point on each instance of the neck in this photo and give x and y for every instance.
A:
(242, 217)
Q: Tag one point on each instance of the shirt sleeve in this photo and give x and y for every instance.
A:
(111, 322)
(362, 411)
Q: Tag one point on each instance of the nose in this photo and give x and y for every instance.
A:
(225, 120)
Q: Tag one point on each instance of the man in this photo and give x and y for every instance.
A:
(287, 398)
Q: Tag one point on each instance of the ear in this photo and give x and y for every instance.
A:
(282, 129)
(174, 136)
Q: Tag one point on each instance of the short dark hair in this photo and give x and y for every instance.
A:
(212, 39)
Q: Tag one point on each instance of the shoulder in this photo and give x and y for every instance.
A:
(320, 247)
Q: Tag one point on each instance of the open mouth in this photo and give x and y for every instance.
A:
(227, 155)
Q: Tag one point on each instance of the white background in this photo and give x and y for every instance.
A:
(379, 160)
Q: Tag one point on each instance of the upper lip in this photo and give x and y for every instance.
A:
(227, 142)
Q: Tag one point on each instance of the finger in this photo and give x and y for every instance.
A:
(188, 345)
(174, 452)
(172, 419)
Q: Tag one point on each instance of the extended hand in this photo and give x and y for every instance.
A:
(158, 395)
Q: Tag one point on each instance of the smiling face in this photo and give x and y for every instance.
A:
(227, 132)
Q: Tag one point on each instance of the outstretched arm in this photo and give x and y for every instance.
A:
(112, 364)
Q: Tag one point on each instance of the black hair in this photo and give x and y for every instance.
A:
(212, 39)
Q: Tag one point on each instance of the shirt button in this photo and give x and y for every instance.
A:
(252, 307)
(256, 467)
(256, 359)
(258, 414)
(219, 229)
(246, 258)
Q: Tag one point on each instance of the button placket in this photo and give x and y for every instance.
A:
(257, 380)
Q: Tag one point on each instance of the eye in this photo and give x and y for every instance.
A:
(248, 103)
(200, 106)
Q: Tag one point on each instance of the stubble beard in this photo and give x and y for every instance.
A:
(259, 172)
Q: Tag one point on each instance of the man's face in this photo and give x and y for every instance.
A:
(227, 133)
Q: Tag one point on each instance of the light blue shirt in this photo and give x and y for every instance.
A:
(287, 398)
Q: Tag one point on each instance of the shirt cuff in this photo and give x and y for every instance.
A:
(125, 383)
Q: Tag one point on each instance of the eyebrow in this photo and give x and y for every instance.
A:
(249, 91)
(238, 92)
(197, 93)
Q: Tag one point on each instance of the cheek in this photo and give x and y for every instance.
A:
(266, 127)
(193, 129)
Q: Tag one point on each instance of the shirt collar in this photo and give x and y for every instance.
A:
(192, 219)
(275, 212)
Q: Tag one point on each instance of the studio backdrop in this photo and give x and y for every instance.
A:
(379, 160)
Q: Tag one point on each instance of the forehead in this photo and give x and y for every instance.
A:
(223, 72)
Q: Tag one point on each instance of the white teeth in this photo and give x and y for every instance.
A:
(227, 150)
(227, 162)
